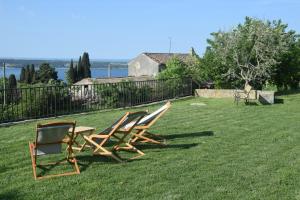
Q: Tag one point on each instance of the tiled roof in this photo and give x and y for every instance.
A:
(162, 58)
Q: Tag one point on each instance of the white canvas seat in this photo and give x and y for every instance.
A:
(117, 132)
(142, 128)
(49, 140)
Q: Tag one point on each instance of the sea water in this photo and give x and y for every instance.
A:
(61, 72)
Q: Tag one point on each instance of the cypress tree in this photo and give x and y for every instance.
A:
(86, 65)
(71, 74)
(32, 74)
(27, 75)
(12, 86)
(12, 82)
(75, 73)
(80, 70)
(22, 75)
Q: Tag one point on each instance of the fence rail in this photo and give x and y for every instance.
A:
(49, 101)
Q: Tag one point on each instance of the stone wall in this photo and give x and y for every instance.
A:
(265, 97)
(220, 93)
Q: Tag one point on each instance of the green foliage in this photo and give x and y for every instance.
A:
(86, 65)
(46, 73)
(83, 68)
(32, 73)
(250, 52)
(75, 73)
(22, 75)
(287, 74)
(180, 69)
(70, 74)
(123, 94)
(80, 70)
(219, 151)
(12, 82)
(175, 68)
(54, 97)
(2, 82)
(212, 69)
(27, 75)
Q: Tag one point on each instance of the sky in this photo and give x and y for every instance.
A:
(122, 29)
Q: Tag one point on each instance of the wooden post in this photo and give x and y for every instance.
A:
(4, 87)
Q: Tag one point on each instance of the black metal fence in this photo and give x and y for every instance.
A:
(39, 102)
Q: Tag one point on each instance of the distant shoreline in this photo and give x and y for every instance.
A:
(119, 67)
(97, 64)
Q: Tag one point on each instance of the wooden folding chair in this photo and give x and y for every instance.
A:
(119, 134)
(49, 140)
(244, 94)
(142, 133)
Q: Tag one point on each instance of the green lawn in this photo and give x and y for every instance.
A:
(215, 151)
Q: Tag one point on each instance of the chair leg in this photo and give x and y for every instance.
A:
(130, 147)
(141, 136)
(33, 160)
(102, 151)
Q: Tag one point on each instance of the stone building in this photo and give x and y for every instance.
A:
(150, 64)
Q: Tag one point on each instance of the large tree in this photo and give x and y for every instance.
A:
(287, 74)
(46, 73)
(250, 51)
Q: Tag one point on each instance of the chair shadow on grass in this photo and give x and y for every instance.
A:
(13, 194)
(84, 161)
(251, 103)
(176, 136)
(168, 146)
(47, 168)
(278, 101)
(3, 169)
(185, 135)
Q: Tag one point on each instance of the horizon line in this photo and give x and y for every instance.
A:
(61, 59)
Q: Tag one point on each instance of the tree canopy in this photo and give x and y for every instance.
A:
(250, 52)
(12, 82)
(46, 73)
(178, 68)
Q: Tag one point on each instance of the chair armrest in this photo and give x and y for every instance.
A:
(98, 136)
(141, 127)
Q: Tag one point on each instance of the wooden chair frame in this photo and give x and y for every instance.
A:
(120, 134)
(142, 133)
(245, 94)
(70, 155)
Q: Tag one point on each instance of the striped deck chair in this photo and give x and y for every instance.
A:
(142, 133)
(118, 134)
(49, 140)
